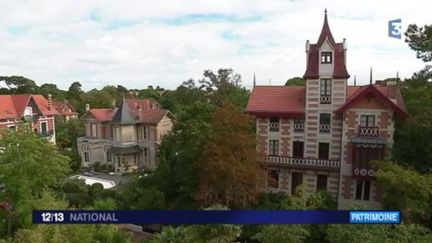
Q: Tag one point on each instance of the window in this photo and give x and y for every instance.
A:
(298, 125)
(145, 131)
(274, 124)
(323, 151)
(326, 57)
(321, 183)
(93, 129)
(43, 128)
(367, 120)
(324, 123)
(107, 154)
(298, 149)
(325, 91)
(362, 190)
(274, 147)
(296, 180)
(86, 150)
(273, 179)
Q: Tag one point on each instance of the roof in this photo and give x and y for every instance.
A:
(131, 111)
(339, 67)
(389, 95)
(282, 101)
(102, 114)
(124, 115)
(63, 108)
(13, 106)
(289, 101)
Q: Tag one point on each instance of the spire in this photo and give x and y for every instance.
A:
(355, 80)
(123, 114)
(325, 32)
(370, 76)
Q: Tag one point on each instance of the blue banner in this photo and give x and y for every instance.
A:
(214, 217)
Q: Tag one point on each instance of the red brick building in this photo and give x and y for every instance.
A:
(36, 110)
(324, 134)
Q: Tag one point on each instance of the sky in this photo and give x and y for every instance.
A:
(136, 43)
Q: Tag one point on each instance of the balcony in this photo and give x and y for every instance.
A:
(368, 131)
(362, 171)
(298, 125)
(324, 128)
(303, 162)
(325, 99)
(47, 133)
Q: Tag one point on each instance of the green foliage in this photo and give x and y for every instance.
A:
(140, 194)
(281, 233)
(19, 84)
(28, 166)
(57, 94)
(416, 189)
(296, 81)
(420, 40)
(378, 233)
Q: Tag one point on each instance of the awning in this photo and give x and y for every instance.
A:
(124, 150)
(369, 140)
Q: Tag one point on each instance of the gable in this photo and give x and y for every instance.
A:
(369, 101)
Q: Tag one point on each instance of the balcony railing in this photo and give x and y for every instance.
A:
(368, 131)
(306, 162)
(47, 133)
(274, 126)
(325, 99)
(362, 171)
(298, 125)
(324, 128)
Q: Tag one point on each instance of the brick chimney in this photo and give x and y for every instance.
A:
(49, 101)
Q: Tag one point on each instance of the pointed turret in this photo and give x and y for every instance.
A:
(124, 115)
(325, 32)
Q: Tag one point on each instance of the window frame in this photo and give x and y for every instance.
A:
(365, 120)
(363, 190)
(325, 87)
(319, 186)
(326, 57)
(323, 155)
(273, 147)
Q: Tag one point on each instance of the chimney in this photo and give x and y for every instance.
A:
(113, 104)
(49, 101)
(139, 108)
(307, 48)
(87, 107)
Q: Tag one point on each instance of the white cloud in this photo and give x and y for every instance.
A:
(138, 43)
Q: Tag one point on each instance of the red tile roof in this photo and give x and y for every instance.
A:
(12, 106)
(339, 68)
(102, 114)
(63, 108)
(283, 101)
(146, 115)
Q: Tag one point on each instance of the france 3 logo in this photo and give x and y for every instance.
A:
(395, 28)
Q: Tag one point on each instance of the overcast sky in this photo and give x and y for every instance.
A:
(138, 43)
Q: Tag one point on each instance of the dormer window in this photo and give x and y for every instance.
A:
(326, 57)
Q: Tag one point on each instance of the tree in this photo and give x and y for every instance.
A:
(51, 89)
(19, 84)
(416, 189)
(296, 81)
(223, 87)
(420, 40)
(176, 176)
(228, 170)
(378, 233)
(28, 166)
